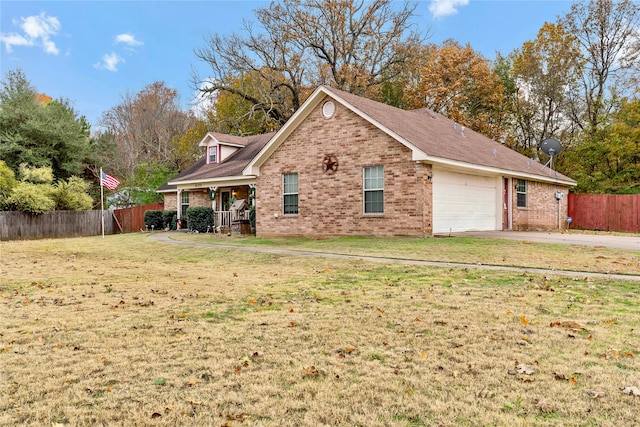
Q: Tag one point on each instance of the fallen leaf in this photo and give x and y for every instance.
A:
(310, 371)
(380, 310)
(635, 391)
(524, 369)
(524, 320)
(544, 406)
(570, 324)
(595, 393)
(560, 376)
(573, 380)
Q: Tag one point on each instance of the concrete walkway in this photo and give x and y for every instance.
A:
(600, 240)
(166, 238)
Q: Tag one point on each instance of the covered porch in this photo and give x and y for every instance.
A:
(231, 204)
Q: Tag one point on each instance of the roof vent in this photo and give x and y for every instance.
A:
(328, 109)
(462, 130)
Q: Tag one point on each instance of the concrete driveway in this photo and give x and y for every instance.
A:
(600, 240)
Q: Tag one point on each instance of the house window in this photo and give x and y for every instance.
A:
(184, 204)
(290, 193)
(521, 193)
(374, 190)
(213, 154)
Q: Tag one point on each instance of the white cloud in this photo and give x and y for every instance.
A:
(38, 30)
(128, 39)
(109, 62)
(442, 8)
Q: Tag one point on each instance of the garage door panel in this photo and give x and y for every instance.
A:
(463, 202)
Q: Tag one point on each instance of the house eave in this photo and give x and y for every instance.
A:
(206, 182)
(253, 168)
(491, 170)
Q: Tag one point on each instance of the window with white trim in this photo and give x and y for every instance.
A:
(184, 204)
(213, 154)
(290, 193)
(373, 189)
(521, 193)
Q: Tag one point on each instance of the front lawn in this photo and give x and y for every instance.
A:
(128, 331)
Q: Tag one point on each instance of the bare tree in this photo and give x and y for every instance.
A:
(142, 127)
(354, 45)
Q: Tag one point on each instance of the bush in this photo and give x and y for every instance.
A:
(252, 219)
(153, 220)
(170, 219)
(7, 183)
(200, 219)
(160, 220)
(71, 195)
(32, 198)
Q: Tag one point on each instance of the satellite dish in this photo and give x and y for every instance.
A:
(551, 147)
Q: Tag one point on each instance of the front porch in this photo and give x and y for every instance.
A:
(231, 222)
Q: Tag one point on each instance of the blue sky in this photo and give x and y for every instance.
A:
(94, 52)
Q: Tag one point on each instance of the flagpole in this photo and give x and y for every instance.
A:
(102, 202)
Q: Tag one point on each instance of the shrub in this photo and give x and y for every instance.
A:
(32, 198)
(71, 195)
(200, 219)
(7, 183)
(153, 220)
(170, 219)
(252, 219)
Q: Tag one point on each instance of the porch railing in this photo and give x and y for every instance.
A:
(225, 219)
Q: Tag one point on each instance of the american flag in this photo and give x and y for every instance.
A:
(108, 181)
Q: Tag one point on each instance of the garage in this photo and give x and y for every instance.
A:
(463, 202)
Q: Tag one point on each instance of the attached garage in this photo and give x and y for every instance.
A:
(463, 202)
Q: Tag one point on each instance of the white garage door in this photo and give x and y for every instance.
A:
(464, 202)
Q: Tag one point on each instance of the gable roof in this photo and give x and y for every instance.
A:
(432, 138)
(232, 166)
(223, 138)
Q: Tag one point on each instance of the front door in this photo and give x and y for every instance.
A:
(505, 205)
(225, 197)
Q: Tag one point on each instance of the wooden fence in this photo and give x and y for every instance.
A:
(606, 212)
(23, 226)
(132, 219)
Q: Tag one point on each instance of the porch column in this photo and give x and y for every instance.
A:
(252, 195)
(179, 203)
(213, 192)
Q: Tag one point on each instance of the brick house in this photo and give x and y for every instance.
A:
(345, 165)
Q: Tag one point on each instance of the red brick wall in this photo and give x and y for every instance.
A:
(199, 198)
(541, 212)
(171, 201)
(332, 204)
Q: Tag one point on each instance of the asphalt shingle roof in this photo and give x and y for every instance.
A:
(231, 166)
(438, 136)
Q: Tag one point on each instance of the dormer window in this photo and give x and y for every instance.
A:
(213, 154)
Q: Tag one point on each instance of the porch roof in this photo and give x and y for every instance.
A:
(232, 166)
